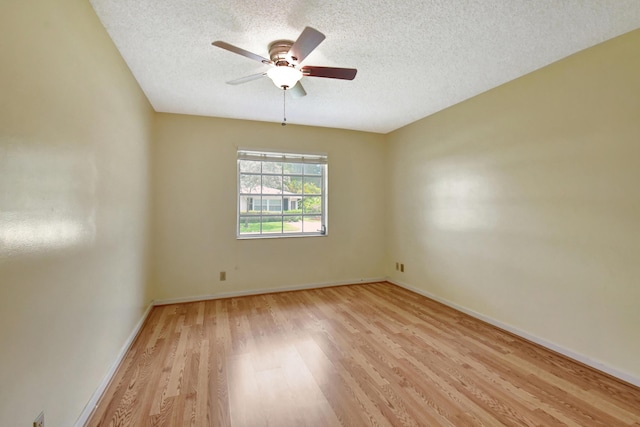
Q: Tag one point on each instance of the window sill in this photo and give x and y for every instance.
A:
(279, 236)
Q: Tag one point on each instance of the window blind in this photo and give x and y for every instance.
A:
(267, 156)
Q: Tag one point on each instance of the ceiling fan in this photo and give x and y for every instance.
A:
(285, 61)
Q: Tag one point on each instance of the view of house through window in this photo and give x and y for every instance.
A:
(281, 194)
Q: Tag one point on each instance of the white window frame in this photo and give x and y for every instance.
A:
(265, 156)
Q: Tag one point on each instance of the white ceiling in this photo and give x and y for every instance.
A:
(414, 57)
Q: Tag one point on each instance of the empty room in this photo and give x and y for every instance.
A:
(302, 213)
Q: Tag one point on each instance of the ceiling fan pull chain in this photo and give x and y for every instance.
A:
(284, 107)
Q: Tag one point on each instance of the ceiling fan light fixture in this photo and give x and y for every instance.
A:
(284, 77)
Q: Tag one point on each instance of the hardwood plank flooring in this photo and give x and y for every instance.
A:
(359, 355)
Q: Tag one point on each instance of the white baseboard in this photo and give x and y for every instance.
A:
(88, 409)
(624, 376)
(268, 291)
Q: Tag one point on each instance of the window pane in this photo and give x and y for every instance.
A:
(313, 169)
(250, 184)
(312, 185)
(312, 204)
(271, 224)
(249, 166)
(292, 224)
(292, 184)
(312, 224)
(271, 167)
(271, 184)
(249, 225)
(260, 204)
(272, 204)
(292, 168)
(292, 204)
(250, 205)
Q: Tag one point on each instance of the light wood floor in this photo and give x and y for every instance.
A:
(361, 355)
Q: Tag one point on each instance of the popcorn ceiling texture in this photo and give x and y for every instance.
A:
(414, 58)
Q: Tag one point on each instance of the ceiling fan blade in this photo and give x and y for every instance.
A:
(240, 51)
(308, 40)
(297, 91)
(246, 79)
(330, 72)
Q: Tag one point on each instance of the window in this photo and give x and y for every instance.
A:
(281, 194)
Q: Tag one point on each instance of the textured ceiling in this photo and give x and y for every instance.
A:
(414, 57)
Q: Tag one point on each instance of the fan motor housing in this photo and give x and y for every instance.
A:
(278, 51)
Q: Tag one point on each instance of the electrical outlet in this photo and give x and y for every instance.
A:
(39, 422)
(223, 276)
(397, 266)
(402, 268)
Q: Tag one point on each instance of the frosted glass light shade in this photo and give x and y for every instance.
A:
(284, 77)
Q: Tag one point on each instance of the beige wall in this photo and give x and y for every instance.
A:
(195, 209)
(74, 135)
(523, 204)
